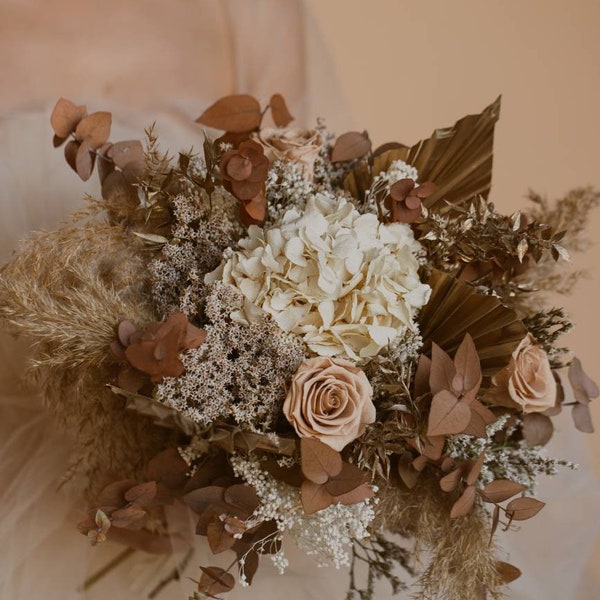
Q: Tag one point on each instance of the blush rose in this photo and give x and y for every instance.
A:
(330, 399)
(528, 380)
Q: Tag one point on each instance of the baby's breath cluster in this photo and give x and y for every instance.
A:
(326, 535)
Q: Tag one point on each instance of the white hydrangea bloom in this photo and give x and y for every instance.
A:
(343, 281)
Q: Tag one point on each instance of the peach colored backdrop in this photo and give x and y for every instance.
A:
(408, 67)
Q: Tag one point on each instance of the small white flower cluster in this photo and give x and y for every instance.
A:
(324, 535)
(343, 281)
(382, 182)
(522, 464)
(286, 186)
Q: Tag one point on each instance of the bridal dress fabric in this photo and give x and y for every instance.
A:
(144, 61)
(154, 61)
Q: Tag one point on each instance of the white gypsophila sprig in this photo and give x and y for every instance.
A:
(325, 535)
(518, 462)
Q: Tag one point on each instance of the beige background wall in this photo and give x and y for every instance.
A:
(408, 67)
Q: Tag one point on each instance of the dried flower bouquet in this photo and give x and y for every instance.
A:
(296, 333)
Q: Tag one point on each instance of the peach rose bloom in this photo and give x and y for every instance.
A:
(528, 379)
(330, 399)
(301, 146)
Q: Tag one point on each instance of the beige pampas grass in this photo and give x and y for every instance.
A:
(461, 562)
(66, 291)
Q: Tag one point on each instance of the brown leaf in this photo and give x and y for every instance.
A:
(215, 580)
(126, 153)
(480, 418)
(237, 114)
(464, 505)
(130, 517)
(65, 117)
(468, 369)
(522, 509)
(314, 497)
(508, 573)
(350, 146)
(450, 482)
(292, 476)
(280, 112)
(84, 160)
(219, 539)
(475, 470)
(442, 371)
(362, 492)
(94, 129)
(242, 496)
(584, 388)
(537, 429)
(142, 494)
(433, 447)
(501, 490)
(582, 417)
(168, 468)
(319, 461)
(114, 493)
(421, 382)
(251, 560)
(448, 414)
(71, 154)
(348, 479)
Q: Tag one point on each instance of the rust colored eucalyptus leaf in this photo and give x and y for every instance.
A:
(464, 505)
(215, 580)
(443, 371)
(65, 117)
(537, 429)
(255, 211)
(242, 496)
(450, 482)
(142, 494)
(522, 509)
(219, 539)
(475, 470)
(508, 573)
(468, 368)
(168, 468)
(584, 388)
(114, 493)
(362, 492)
(237, 114)
(95, 129)
(130, 517)
(292, 475)
(501, 490)
(350, 146)
(71, 154)
(84, 160)
(448, 415)
(319, 461)
(314, 497)
(481, 417)
(582, 417)
(125, 153)
(348, 479)
(281, 115)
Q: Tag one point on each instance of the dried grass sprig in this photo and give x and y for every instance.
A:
(461, 562)
(66, 291)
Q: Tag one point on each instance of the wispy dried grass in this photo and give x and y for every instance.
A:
(461, 564)
(66, 291)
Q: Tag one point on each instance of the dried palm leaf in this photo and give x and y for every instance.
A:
(457, 159)
(455, 308)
